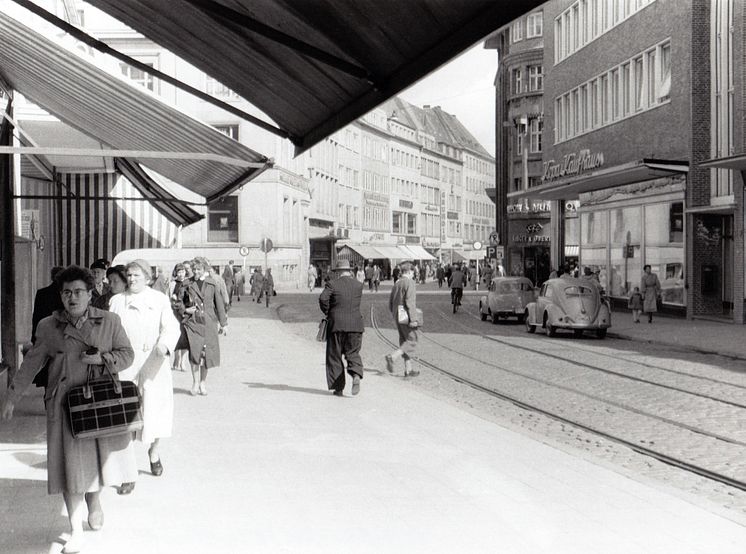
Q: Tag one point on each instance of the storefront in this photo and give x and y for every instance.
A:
(624, 228)
(528, 249)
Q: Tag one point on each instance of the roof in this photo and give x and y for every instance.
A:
(315, 66)
(123, 116)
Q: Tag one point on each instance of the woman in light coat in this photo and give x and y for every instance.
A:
(77, 468)
(153, 330)
(650, 287)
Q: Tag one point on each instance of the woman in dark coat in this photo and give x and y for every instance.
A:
(77, 468)
(206, 312)
(179, 302)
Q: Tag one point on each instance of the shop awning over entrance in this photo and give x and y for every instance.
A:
(366, 251)
(122, 116)
(393, 252)
(608, 177)
(315, 66)
(467, 255)
(419, 253)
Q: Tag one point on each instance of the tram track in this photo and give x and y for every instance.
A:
(657, 454)
(607, 371)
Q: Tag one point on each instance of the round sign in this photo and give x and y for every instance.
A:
(477, 245)
(266, 245)
(244, 251)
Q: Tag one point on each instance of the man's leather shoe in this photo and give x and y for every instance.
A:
(126, 488)
(389, 363)
(355, 385)
(156, 468)
(338, 392)
(413, 373)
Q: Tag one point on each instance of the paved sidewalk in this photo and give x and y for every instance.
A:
(271, 462)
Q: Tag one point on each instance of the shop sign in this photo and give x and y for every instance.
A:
(292, 180)
(534, 228)
(572, 164)
(376, 237)
(412, 240)
(528, 206)
(572, 205)
(530, 238)
(442, 219)
(452, 215)
(431, 208)
(406, 204)
(431, 243)
(376, 199)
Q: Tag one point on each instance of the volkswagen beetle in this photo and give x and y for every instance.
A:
(568, 303)
(506, 297)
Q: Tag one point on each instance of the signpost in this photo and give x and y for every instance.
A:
(477, 246)
(266, 246)
(243, 252)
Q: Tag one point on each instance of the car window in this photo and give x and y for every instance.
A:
(526, 286)
(578, 291)
(547, 291)
(507, 288)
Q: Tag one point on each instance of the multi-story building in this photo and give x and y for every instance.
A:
(637, 95)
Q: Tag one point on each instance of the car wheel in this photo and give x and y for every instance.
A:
(577, 333)
(530, 328)
(601, 333)
(495, 318)
(551, 329)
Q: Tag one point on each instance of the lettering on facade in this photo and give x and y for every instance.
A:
(406, 204)
(376, 237)
(572, 164)
(530, 238)
(529, 206)
(292, 180)
(534, 228)
(376, 199)
(431, 208)
(452, 215)
(442, 219)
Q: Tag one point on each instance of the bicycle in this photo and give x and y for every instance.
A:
(456, 294)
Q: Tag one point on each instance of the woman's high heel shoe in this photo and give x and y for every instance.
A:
(156, 468)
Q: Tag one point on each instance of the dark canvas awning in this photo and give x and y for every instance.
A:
(121, 116)
(607, 177)
(737, 162)
(313, 66)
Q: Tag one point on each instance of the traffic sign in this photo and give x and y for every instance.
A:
(477, 245)
(494, 238)
(496, 252)
(266, 245)
(244, 251)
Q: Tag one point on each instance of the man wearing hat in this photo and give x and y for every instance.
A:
(98, 268)
(340, 302)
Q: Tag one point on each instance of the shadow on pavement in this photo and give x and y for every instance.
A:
(287, 388)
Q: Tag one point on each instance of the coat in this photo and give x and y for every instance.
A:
(650, 287)
(78, 465)
(340, 302)
(404, 294)
(257, 282)
(635, 301)
(202, 328)
(148, 320)
(46, 302)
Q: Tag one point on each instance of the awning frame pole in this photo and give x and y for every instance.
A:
(106, 49)
(73, 197)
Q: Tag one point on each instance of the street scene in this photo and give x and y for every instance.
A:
(412, 276)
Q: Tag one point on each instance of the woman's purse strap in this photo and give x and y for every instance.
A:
(105, 373)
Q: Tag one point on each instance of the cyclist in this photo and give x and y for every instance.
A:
(457, 282)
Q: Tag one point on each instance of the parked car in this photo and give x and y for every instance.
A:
(506, 297)
(567, 303)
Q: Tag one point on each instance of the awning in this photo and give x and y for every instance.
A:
(737, 162)
(315, 66)
(175, 212)
(467, 255)
(393, 252)
(419, 253)
(717, 209)
(608, 177)
(365, 251)
(572, 251)
(121, 115)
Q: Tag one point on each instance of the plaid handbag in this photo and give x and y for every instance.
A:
(104, 406)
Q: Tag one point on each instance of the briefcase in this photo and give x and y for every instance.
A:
(104, 407)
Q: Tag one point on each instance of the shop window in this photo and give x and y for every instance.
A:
(228, 130)
(222, 218)
(676, 222)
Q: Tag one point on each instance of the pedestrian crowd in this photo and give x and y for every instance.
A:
(133, 322)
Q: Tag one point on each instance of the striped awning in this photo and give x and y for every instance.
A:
(572, 251)
(123, 116)
(419, 253)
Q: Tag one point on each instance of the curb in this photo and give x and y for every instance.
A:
(679, 347)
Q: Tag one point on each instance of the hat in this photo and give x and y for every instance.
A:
(343, 265)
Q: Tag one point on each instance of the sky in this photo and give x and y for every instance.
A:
(464, 88)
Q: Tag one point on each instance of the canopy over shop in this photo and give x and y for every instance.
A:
(385, 256)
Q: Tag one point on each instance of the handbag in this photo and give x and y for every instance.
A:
(321, 335)
(402, 316)
(104, 406)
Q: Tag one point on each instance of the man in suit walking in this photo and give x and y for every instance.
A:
(340, 302)
(404, 294)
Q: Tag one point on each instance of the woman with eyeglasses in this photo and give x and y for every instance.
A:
(153, 331)
(77, 468)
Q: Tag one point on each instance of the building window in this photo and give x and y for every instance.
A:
(219, 90)
(517, 31)
(228, 130)
(411, 224)
(586, 20)
(517, 81)
(139, 76)
(519, 143)
(222, 220)
(535, 77)
(536, 129)
(534, 23)
(676, 225)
